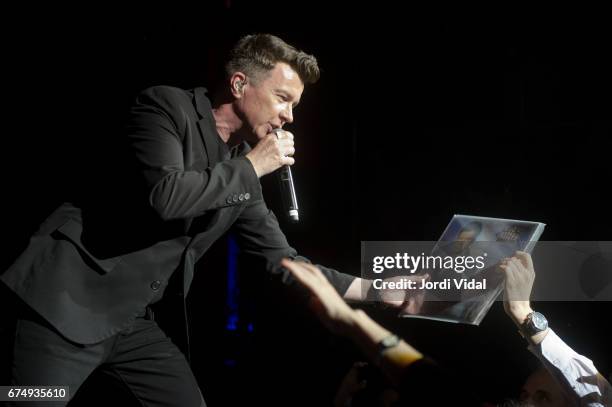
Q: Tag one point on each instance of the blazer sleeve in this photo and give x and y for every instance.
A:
(258, 234)
(156, 131)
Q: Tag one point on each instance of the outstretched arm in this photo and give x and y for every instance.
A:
(520, 275)
(576, 373)
(339, 317)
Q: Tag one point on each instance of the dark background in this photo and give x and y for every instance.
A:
(418, 115)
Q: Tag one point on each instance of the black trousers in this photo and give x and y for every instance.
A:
(141, 361)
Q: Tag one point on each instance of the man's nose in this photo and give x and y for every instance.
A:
(287, 115)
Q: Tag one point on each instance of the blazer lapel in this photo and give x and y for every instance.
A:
(208, 131)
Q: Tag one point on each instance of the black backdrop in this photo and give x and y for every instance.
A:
(418, 115)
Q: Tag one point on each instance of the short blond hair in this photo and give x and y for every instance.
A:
(257, 54)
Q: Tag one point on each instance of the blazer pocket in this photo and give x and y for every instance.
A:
(72, 230)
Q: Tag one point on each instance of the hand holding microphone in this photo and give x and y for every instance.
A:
(287, 188)
(274, 152)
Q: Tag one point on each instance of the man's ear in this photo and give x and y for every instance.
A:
(237, 83)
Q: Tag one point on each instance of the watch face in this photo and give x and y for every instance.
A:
(539, 321)
(390, 341)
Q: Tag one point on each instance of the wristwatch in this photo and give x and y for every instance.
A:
(533, 324)
(386, 343)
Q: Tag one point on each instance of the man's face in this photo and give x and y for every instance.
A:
(541, 390)
(463, 241)
(268, 103)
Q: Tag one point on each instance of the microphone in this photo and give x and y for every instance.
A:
(287, 189)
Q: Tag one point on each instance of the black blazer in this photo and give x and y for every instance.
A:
(171, 191)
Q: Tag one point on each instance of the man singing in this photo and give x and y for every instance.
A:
(187, 176)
